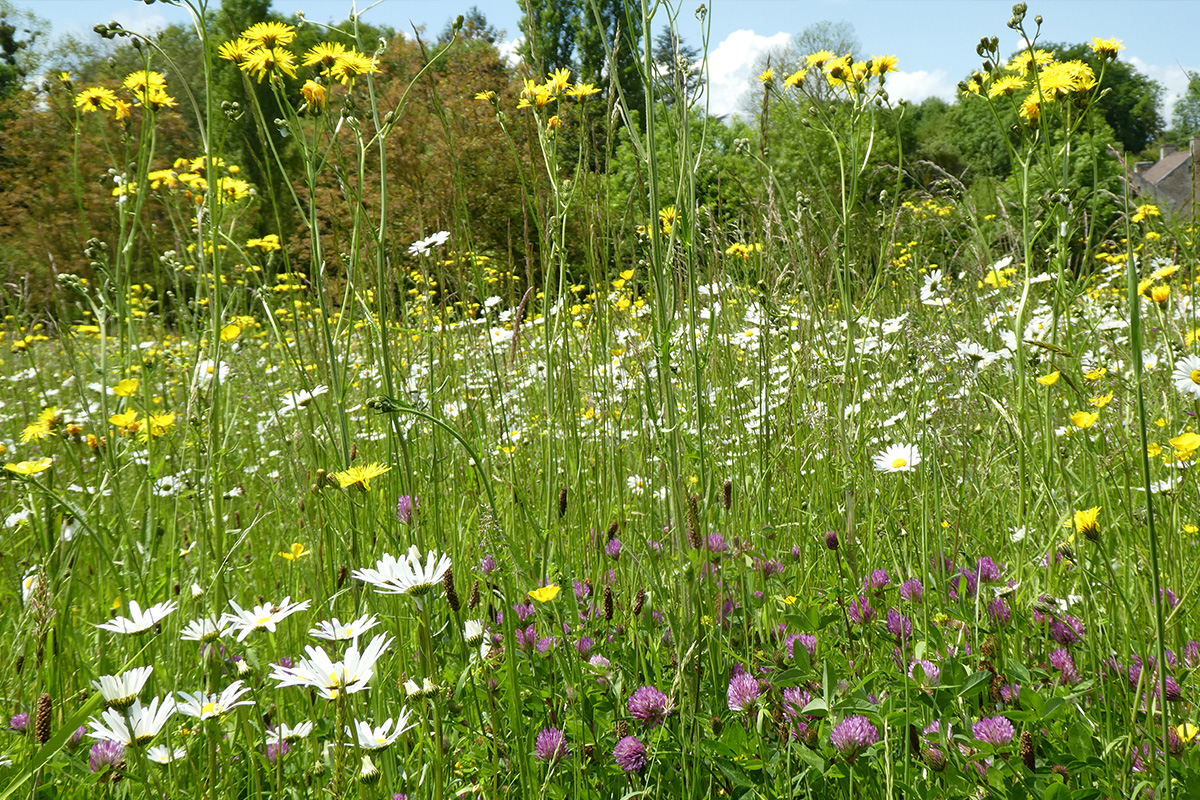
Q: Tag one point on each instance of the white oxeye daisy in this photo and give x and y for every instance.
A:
(427, 688)
(161, 754)
(636, 485)
(380, 736)
(205, 629)
(898, 458)
(472, 632)
(120, 691)
(137, 723)
(138, 620)
(261, 617)
(206, 706)
(283, 733)
(332, 678)
(406, 575)
(1187, 376)
(334, 630)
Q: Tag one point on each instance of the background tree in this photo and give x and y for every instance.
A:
(549, 27)
(1185, 121)
(680, 67)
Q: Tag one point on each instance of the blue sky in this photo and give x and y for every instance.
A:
(934, 39)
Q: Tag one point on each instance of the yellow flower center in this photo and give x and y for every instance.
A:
(899, 463)
(1195, 376)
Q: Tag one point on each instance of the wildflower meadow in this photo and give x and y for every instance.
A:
(645, 462)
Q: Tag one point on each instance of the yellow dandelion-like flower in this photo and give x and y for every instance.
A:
(882, 65)
(818, 59)
(46, 423)
(795, 79)
(144, 81)
(557, 81)
(767, 75)
(270, 34)
(236, 50)
(1061, 78)
(325, 55)
(267, 244)
(487, 95)
(314, 95)
(1106, 48)
(1160, 293)
(96, 99)
(1145, 212)
(667, 217)
(1006, 86)
(1031, 108)
(581, 90)
(351, 65)
(269, 61)
(1024, 61)
(360, 477)
(1087, 522)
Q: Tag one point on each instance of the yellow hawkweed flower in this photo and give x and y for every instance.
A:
(1023, 61)
(796, 78)
(270, 34)
(557, 81)
(122, 111)
(1087, 522)
(818, 59)
(1144, 212)
(1160, 293)
(667, 217)
(95, 99)
(1064, 77)
(46, 423)
(1031, 108)
(487, 95)
(1106, 48)
(324, 55)
(236, 50)
(545, 594)
(144, 81)
(296, 553)
(267, 244)
(1051, 379)
(351, 65)
(581, 90)
(882, 65)
(314, 95)
(1006, 86)
(360, 477)
(554, 123)
(766, 76)
(30, 467)
(1084, 419)
(269, 61)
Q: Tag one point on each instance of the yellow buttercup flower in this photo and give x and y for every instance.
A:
(230, 332)
(1185, 445)
(1084, 419)
(1096, 374)
(30, 467)
(546, 593)
(159, 423)
(1051, 379)
(296, 553)
(126, 421)
(1102, 400)
(126, 388)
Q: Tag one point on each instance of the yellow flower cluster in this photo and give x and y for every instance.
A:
(147, 88)
(1047, 79)
(538, 95)
(842, 73)
(261, 52)
(189, 175)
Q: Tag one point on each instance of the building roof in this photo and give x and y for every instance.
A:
(1159, 172)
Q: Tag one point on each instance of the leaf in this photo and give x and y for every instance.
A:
(975, 684)
(1056, 791)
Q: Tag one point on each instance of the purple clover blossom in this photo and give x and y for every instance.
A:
(551, 746)
(931, 673)
(969, 587)
(768, 567)
(76, 737)
(1169, 598)
(999, 612)
(911, 591)
(743, 692)
(716, 543)
(1191, 654)
(613, 548)
(831, 540)
(899, 625)
(277, 749)
(630, 754)
(488, 565)
(582, 590)
(853, 735)
(807, 640)
(649, 705)
(796, 552)
(794, 701)
(19, 723)
(584, 646)
(105, 754)
(545, 645)
(1010, 693)
(1066, 630)
(877, 580)
(996, 731)
(526, 638)
(989, 570)
(1061, 660)
(860, 611)
(942, 563)
(524, 610)
(406, 507)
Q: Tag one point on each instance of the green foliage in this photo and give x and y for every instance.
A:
(1186, 119)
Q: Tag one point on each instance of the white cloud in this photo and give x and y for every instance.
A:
(508, 50)
(920, 85)
(1173, 78)
(730, 66)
